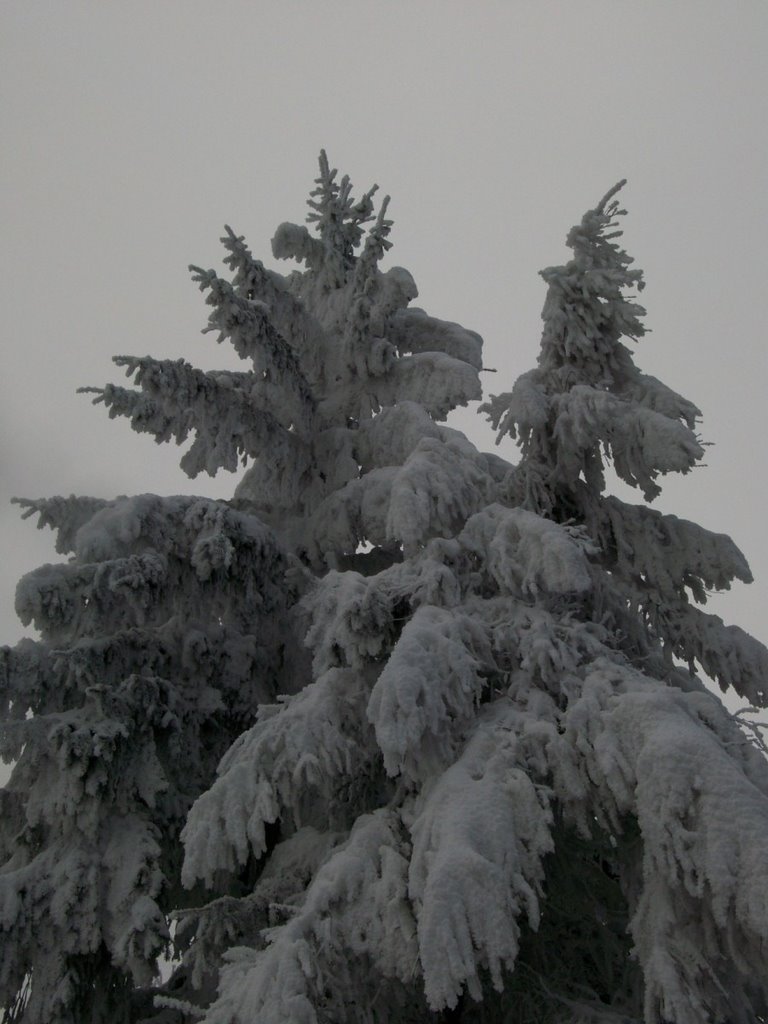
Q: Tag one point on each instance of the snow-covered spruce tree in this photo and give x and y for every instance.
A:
(488, 792)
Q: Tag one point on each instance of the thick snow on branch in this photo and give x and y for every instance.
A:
(640, 442)
(439, 485)
(204, 933)
(429, 690)
(134, 559)
(294, 242)
(434, 493)
(174, 524)
(389, 438)
(353, 514)
(350, 621)
(522, 411)
(526, 554)
(413, 330)
(355, 917)
(679, 764)
(668, 553)
(543, 651)
(726, 653)
(650, 393)
(293, 755)
(50, 597)
(478, 842)
(438, 575)
(438, 382)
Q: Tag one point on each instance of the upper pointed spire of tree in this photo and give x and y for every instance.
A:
(587, 402)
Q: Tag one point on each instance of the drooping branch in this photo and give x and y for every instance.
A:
(177, 399)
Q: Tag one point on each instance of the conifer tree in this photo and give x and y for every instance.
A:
(403, 732)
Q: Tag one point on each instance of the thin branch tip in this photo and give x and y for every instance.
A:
(610, 194)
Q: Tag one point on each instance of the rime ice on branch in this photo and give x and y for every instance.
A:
(402, 718)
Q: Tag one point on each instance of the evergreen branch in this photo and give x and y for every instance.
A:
(289, 315)
(177, 399)
(145, 415)
(376, 244)
(338, 218)
(610, 194)
(65, 515)
(253, 336)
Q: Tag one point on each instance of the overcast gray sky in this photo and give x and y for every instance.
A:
(132, 131)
